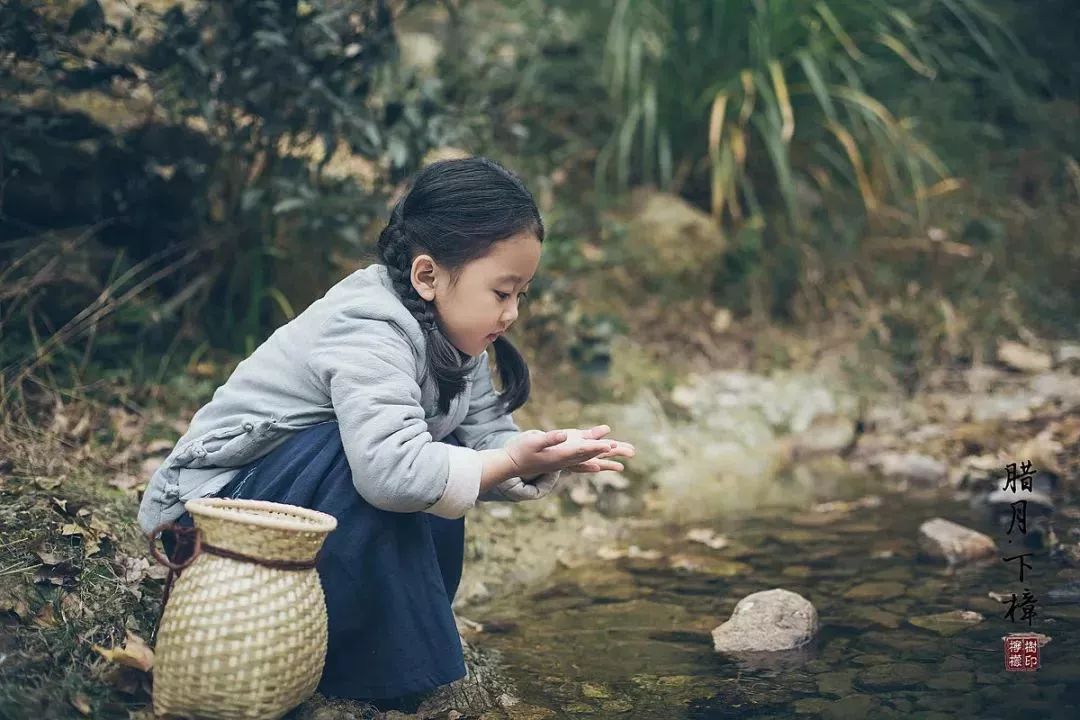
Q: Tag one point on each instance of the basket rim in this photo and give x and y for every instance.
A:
(224, 509)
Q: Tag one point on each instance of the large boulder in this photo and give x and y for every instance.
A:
(767, 621)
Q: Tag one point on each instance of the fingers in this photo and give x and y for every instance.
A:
(554, 437)
(596, 466)
(623, 449)
(597, 431)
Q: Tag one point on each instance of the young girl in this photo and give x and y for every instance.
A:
(376, 405)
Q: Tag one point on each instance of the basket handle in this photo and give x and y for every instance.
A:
(192, 535)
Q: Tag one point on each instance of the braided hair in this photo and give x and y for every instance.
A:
(456, 211)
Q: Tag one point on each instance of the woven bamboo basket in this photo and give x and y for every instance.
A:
(238, 639)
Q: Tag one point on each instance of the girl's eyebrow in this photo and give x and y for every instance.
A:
(509, 276)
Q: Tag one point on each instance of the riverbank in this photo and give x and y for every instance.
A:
(76, 581)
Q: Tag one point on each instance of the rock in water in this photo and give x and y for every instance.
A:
(944, 539)
(768, 620)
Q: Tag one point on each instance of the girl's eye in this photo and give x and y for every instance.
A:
(503, 296)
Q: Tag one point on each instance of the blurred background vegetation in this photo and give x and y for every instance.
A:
(177, 179)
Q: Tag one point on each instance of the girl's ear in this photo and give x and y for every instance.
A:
(424, 276)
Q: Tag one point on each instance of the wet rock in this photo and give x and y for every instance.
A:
(826, 435)
(768, 620)
(915, 467)
(1037, 502)
(1064, 594)
(947, 623)
(877, 616)
(618, 706)
(871, 659)
(521, 711)
(852, 707)
(956, 680)
(810, 706)
(893, 675)
(882, 590)
(835, 683)
(707, 565)
(1065, 389)
(943, 539)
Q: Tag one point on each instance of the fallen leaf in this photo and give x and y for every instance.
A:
(134, 654)
(46, 617)
(73, 606)
(64, 574)
(81, 703)
(49, 557)
(134, 569)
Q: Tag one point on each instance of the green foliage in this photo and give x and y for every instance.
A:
(771, 101)
(185, 160)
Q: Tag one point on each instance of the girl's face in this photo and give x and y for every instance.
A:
(484, 301)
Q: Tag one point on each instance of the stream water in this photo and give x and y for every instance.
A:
(630, 637)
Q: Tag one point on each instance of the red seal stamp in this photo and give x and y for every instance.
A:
(1021, 652)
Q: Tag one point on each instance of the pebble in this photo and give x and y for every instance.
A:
(943, 539)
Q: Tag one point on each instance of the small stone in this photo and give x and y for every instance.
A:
(879, 590)
(911, 466)
(1022, 358)
(707, 565)
(707, 536)
(943, 539)
(810, 706)
(956, 680)
(579, 708)
(852, 707)
(947, 623)
(893, 675)
(835, 683)
(877, 616)
(619, 706)
(768, 620)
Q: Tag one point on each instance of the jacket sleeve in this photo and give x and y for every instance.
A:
(370, 370)
(487, 427)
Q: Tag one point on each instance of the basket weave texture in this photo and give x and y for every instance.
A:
(238, 639)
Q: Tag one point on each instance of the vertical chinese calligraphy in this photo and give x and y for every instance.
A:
(1021, 651)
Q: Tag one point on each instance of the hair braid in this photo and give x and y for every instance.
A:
(395, 249)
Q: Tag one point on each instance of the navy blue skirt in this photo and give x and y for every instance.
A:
(389, 577)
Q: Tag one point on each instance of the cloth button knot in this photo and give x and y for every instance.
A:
(248, 426)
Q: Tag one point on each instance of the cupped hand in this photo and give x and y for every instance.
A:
(535, 452)
(600, 462)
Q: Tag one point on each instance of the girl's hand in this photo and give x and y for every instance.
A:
(621, 449)
(535, 452)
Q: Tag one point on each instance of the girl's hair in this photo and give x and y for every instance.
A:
(455, 211)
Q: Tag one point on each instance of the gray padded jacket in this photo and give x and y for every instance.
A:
(356, 355)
